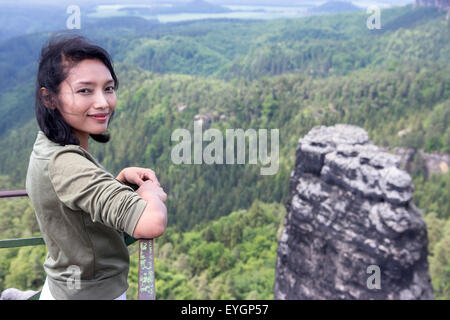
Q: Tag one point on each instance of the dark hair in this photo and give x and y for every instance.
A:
(62, 52)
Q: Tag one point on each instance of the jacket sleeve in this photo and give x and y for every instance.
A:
(81, 185)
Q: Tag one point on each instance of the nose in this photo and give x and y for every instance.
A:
(100, 101)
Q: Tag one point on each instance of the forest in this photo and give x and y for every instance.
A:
(286, 74)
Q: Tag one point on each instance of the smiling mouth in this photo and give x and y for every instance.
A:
(99, 116)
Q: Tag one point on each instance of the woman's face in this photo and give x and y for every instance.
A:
(87, 98)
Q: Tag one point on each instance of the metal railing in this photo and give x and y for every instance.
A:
(146, 280)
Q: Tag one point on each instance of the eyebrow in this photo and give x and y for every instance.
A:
(92, 83)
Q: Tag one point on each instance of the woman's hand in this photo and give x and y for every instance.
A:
(137, 176)
(149, 190)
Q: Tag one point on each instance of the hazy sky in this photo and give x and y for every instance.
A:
(241, 2)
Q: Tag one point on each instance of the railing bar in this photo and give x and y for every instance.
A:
(35, 296)
(13, 193)
(13, 243)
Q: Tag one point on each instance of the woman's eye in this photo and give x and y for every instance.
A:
(110, 89)
(85, 90)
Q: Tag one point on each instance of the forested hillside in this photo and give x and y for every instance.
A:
(289, 75)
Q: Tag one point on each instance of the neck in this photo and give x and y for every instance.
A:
(84, 140)
(84, 146)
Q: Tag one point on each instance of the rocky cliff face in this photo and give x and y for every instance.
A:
(351, 231)
(429, 163)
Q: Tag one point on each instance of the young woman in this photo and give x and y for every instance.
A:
(81, 208)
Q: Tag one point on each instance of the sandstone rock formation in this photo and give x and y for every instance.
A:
(203, 119)
(431, 163)
(350, 209)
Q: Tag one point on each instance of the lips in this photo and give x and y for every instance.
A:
(99, 116)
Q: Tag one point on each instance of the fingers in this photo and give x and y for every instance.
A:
(156, 190)
(150, 174)
(142, 175)
(139, 181)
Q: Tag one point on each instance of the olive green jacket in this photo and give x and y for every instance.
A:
(82, 212)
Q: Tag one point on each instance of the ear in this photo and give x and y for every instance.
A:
(47, 99)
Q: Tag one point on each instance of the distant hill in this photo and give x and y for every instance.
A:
(198, 6)
(334, 7)
(440, 4)
(195, 6)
